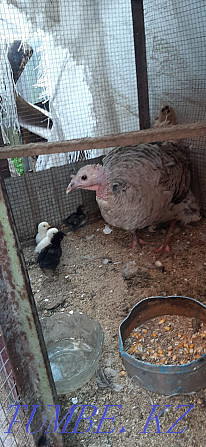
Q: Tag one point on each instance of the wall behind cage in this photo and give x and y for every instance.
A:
(41, 196)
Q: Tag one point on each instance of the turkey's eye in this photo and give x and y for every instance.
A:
(84, 177)
(115, 187)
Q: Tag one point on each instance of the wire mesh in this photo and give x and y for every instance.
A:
(39, 197)
(72, 75)
(73, 67)
(74, 71)
(176, 58)
(9, 396)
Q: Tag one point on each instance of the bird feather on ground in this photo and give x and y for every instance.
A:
(46, 240)
(142, 185)
(49, 257)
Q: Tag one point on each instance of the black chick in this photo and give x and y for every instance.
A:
(49, 257)
(76, 220)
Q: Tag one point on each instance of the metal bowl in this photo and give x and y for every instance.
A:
(163, 379)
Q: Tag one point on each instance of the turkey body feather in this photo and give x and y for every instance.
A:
(149, 184)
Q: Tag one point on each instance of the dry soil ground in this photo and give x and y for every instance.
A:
(99, 276)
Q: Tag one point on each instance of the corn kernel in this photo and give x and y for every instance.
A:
(169, 348)
(167, 328)
(174, 357)
(159, 351)
(191, 346)
(144, 331)
(202, 335)
(162, 320)
(154, 334)
(123, 373)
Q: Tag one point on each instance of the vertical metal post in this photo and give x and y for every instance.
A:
(21, 329)
(141, 63)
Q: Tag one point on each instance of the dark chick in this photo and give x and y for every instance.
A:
(49, 257)
(76, 220)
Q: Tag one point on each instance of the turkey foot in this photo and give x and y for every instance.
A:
(165, 247)
(137, 242)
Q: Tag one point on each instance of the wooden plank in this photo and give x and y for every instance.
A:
(141, 63)
(125, 139)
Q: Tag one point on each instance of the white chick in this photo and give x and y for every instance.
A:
(42, 231)
(47, 239)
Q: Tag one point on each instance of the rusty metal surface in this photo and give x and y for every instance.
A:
(164, 379)
(21, 328)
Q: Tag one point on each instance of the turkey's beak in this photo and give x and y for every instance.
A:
(71, 187)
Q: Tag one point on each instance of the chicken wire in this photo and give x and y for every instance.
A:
(82, 70)
(74, 74)
(73, 67)
(41, 196)
(9, 396)
(81, 82)
(176, 58)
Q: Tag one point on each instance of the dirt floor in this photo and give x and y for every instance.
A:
(99, 276)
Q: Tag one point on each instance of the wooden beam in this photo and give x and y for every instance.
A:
(125, 139)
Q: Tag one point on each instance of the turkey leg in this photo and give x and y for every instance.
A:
(165, 247)
(137, 242)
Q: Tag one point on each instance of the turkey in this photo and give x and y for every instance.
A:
(142, 185)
